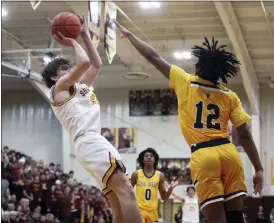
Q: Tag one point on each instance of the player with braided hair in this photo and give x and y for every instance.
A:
(214, 63)
(204, 109)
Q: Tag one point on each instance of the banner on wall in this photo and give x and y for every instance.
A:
(272, 171)
(153, 102)
(110, 30)
(123, 139)
(173, 168)
(35, 3)
(95, 20)
(234, 138)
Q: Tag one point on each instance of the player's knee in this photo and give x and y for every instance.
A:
(234, 217)
(120, 184)
(126, 191)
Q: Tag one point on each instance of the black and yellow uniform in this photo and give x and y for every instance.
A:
(204, 110)
(147, 196)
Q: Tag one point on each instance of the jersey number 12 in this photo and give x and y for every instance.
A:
(210, 117)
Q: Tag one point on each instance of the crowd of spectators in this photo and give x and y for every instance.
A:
(33, 192)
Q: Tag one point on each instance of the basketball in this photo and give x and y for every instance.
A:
(66, 23)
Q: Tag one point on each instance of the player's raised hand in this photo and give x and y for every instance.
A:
(84, 22)
(65, 41)
(258, 180)
(123, 30)
(175, 183)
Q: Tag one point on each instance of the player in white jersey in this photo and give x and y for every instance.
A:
(77, 108)
(191, 212)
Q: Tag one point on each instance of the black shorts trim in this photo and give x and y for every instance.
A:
(211, 143)
(235, 194)
(114, 165)
(211, 200)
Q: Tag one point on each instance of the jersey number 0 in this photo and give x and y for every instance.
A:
(213, 116)
(148, 194)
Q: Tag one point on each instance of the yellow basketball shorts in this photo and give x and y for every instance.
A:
(217, 173)
(149, 216)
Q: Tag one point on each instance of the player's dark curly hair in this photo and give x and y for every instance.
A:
(50, 70)
(214, 62)
(142, 155)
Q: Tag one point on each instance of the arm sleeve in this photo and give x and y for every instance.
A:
(178, 78)
(238, 116)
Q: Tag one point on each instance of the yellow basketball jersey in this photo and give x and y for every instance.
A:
(204, 109)
(147, 190)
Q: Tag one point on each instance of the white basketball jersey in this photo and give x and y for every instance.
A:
(80, 112)
(191, 210)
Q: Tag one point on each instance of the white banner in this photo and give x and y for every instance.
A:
(35, 3)
(110, 30)
(95, 21)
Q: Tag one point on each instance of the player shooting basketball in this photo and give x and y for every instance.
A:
(204, 108)
(77, 108)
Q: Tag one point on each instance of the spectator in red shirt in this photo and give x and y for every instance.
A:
(66, 201)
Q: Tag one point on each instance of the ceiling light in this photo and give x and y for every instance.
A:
(182, 55)
(147, 5)
(46, 59)
(4, 12)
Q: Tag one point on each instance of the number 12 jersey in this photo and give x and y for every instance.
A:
(204, 109)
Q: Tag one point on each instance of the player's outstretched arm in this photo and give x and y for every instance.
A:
(96, 63)
(147, 51)
(178, 197)
(252, 152)
(82, 63)
(165, 194)
(239, 118)
(134, 178)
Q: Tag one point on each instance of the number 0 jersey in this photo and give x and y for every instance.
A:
(204, 109)
(80, 112)
(147, 190)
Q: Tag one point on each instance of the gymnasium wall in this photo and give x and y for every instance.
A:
(29, 125)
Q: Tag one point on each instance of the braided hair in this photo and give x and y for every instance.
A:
(214, 62)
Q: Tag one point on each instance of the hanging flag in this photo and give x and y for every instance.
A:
(95, 18)
(110, 30)
(35, 3)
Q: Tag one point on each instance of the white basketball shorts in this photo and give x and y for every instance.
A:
(98, 157)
